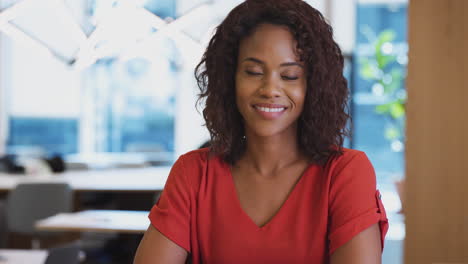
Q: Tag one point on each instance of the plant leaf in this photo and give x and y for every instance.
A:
(382, 109)
(392, 133)
(397, 110)
(397, 77)
(367, 71)
(384, 37)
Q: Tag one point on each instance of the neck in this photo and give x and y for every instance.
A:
(267, 155)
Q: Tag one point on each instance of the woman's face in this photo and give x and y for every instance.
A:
(270, 81)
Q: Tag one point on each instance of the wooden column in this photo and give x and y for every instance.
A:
(437, 133)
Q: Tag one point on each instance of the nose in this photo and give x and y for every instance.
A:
(271, 87)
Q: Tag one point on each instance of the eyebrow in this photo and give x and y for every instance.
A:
(281, 65)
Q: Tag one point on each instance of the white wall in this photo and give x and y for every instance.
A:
(343, 21)
(189, 130)
(40, 85)
(33, 81)
(3, 96)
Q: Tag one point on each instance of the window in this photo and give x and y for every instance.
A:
(133, 83)
(41, 110)
(379, 82)
(378, 102)
(115, 88)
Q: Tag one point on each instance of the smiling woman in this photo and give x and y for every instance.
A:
(276, 185)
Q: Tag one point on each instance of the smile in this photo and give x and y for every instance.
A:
(269, 111)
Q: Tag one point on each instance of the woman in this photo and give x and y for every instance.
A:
(276, 184)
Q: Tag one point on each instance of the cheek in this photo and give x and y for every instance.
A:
(241, 94)
(243, 90)
(298, 96)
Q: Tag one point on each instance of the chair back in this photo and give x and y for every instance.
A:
(30, 202)
(66, 254)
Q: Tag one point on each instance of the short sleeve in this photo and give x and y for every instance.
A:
(354, 201)
(171, 213)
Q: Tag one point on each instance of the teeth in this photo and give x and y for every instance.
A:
(266, 109)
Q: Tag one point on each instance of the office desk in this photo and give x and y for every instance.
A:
(114, 221)
(116, 180)
(22, 256)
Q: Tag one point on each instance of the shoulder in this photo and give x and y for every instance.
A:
(197, 153)
(351, 164)
(198, 157)
(194, 164)
(348, 155)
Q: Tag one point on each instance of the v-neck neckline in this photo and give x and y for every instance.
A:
(282, 208)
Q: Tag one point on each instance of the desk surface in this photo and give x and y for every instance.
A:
(141, 179)
(22, 256)
(97, 221)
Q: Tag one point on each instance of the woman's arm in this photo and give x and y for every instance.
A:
(364, 248)
(155, 248)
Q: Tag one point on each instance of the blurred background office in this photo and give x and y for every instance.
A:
(109, 84)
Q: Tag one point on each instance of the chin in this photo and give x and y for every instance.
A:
(268, 131)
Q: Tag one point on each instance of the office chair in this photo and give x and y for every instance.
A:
(30, 202)
(65, 254)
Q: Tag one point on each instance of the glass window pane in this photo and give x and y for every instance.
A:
(379, 105)
(379, 93)
(42, 135)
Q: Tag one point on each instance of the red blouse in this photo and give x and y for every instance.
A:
(199, 210)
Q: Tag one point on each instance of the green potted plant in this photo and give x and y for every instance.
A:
(385, 68)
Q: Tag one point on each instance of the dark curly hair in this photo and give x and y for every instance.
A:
(322, 124)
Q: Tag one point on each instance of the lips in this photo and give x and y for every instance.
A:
(270, 111)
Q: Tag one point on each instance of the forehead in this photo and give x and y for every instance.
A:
(270, 43)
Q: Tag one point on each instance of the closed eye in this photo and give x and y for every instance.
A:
(253, 73)
(289, 78)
